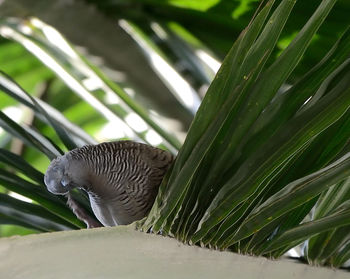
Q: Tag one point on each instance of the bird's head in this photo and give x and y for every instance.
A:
(56, 179)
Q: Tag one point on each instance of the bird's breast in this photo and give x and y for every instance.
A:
(118, 210)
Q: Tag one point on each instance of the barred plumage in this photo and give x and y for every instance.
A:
(121, 178)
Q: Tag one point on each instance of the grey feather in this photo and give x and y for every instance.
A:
(122, 178)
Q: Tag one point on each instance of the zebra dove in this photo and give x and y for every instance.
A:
(121, 178)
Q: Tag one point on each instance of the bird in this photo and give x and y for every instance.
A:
(121, 178)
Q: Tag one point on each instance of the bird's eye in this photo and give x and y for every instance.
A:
(64, 181)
